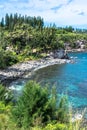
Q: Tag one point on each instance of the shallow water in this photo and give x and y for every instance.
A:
(68, 78)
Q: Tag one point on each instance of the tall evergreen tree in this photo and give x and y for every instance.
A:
(7, 20)
(2, 22)
(15, 18)
(11, 25)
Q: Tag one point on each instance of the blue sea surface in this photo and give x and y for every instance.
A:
(69, 78)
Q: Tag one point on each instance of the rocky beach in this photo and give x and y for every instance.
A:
(24, 69)
(20, 70)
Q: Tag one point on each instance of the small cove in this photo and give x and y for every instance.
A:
(70, 78)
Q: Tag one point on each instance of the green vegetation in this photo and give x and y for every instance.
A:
(37, 108)
(7, 58)
(26, 38)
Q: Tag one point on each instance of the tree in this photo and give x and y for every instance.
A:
(35, 102)
(11, 21)
(2, 22)
(69, 29)
(7, 21)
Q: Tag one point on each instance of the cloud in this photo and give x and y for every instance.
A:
(57, 7)
(81, 13)
(69, 1)
(60, 12)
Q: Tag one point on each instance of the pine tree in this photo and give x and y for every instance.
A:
(15, 18)
(2, 22)
(11, 26)
(7, 21)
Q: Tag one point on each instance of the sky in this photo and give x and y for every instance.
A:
(61, 12)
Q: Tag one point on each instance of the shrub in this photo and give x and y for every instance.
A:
(63, 111)
(6, 95)
(56, 126)
(7, 58)
(36, 105)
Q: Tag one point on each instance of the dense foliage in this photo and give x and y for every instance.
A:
(25, 37)
(7, 58)
(38, 105)
(37, 108)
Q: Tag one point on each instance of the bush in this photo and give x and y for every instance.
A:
(35, 106)
(7, 58)
(2, 93)
(63, 111)
(36, 109)
(38, 105)
(6, 95)
(56, 126)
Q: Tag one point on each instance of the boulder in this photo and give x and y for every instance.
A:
(61, 54)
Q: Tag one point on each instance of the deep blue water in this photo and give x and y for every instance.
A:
(70, 78)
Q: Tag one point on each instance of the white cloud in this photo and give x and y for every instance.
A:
(60, 12)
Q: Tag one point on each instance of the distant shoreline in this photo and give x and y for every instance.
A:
(77, 50)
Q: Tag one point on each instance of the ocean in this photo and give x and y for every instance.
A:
(68, 78)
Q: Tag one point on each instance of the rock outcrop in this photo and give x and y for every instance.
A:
(60, 54)
(78, 44)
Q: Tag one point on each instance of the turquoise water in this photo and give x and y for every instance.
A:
(70, 78)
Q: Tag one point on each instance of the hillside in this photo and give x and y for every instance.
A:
(26, 38)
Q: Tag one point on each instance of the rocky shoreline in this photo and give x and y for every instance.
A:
(20, 70)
